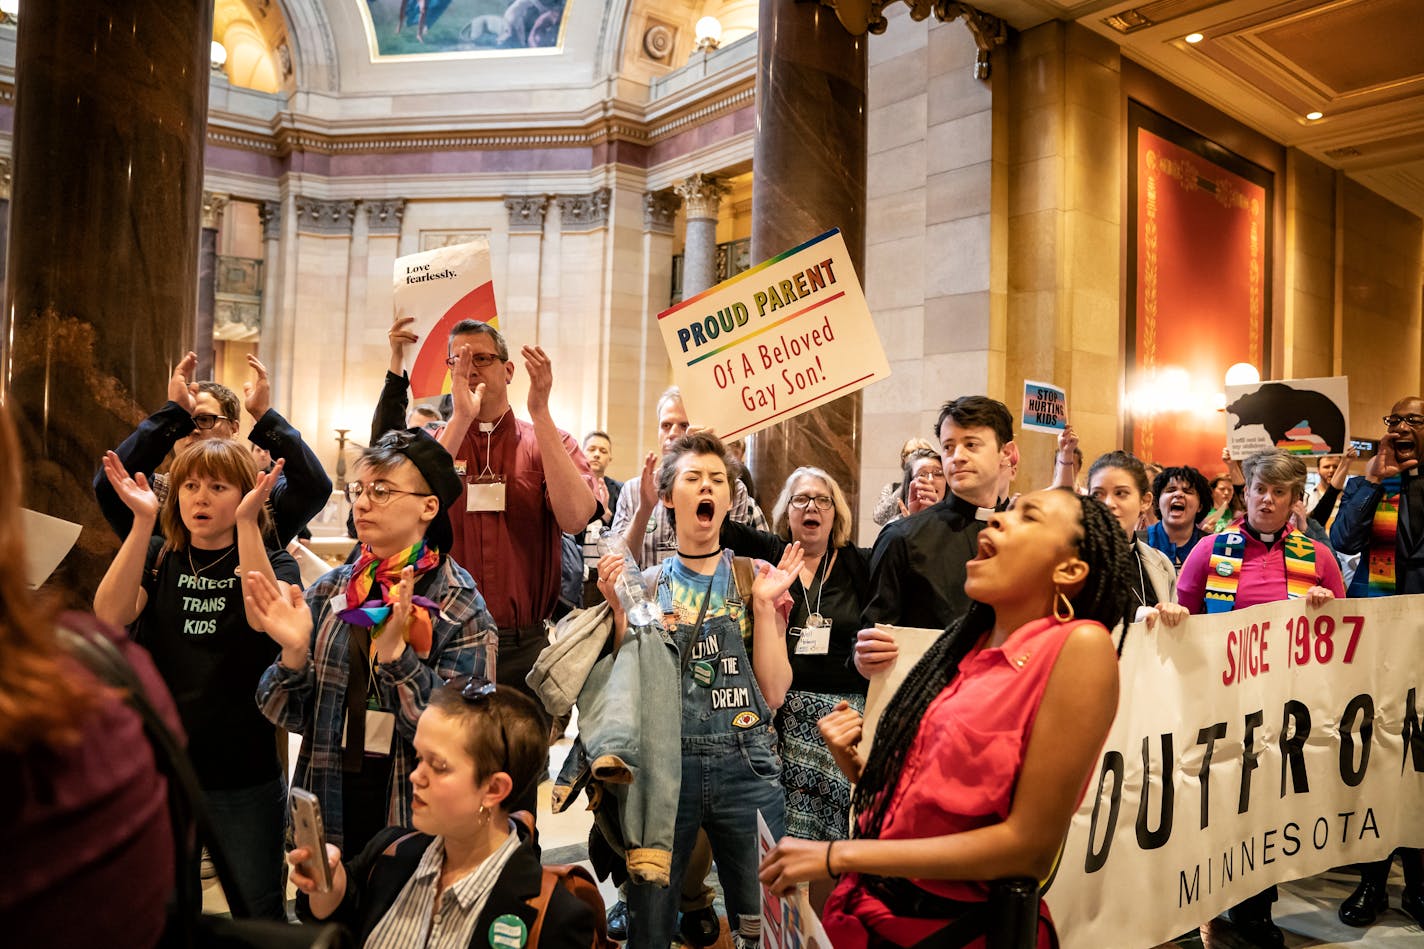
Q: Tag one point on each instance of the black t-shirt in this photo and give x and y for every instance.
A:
(195, 627)
(839, 599)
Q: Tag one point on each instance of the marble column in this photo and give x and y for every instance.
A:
(808, 176)
(213, 205)
(269, 213)
(701, 196)
(4, 226)
(109, 123)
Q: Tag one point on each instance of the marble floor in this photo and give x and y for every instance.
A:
(1305, 911)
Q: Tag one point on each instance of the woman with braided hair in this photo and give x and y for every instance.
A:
(986, 749)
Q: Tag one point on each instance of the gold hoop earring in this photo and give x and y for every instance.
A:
(1058, 598)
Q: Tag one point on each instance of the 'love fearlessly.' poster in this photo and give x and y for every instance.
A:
(774, 341)
(440, 288)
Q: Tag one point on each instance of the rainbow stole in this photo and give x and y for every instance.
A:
(1384, 529)
(1224, 577)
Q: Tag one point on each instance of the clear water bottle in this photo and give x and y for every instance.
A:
(630, 585)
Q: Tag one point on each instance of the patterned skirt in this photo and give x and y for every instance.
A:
(817, 794)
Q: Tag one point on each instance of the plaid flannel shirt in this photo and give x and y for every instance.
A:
(311, 701)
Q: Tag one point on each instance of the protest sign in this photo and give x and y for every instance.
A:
(48, 540)
(786, 922)
(1250, 748)
(1045, 407)
(440, 288)
(774, 341)
(1301, 416)
(913, 643)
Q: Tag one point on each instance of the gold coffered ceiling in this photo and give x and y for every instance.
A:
(1270, 63)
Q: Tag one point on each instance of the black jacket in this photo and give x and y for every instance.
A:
(298, 496)
(374, 880)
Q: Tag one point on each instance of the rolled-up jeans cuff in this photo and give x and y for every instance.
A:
(647, 865)
(611, 769)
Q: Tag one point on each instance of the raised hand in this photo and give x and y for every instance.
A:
(134, 492)
(1067, 441)
(181, 388)
(464, 402)
(250, 508)
(771, 581)
(648, 483)
(842, 728)
(400, 336)
(257, 394)
(391, 641)
(284, 614)
(1385, 463)
(541, 378)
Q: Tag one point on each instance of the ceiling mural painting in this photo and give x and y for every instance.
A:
(460, 29)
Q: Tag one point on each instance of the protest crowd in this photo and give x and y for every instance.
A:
(715, 651)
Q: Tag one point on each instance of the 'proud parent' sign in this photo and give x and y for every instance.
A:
(774, 341)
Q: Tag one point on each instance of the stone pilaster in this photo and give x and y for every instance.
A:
(383, 216)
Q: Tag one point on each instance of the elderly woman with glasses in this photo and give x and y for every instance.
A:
(833, 585)
(469, 875)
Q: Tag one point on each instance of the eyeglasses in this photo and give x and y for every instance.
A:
(803, 502)
(1412, 420)
(206, 422)
(378, 492)
(478, 360)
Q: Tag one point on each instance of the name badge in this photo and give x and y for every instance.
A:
(380, 732)
(485, 495)
(814, 640)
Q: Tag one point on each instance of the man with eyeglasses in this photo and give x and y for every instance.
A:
(525, 485)
(1381, 517)
(198, 410)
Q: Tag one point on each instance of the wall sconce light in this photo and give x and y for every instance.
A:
(709, 34)
(1242, 374)
(9, 11)
(218, 55)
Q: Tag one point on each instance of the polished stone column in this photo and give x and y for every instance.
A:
(109, 123)
(213, 205)
(701, 197)
(808, 176)
(4, 226)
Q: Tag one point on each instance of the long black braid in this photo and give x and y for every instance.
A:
(1102, 545)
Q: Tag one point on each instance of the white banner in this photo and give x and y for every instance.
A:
(1292, 742)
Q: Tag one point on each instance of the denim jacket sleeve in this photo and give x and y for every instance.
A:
(144, 451)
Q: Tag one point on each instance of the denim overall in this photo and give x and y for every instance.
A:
(730, 768)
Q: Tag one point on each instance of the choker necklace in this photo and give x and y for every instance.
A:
(698, 556)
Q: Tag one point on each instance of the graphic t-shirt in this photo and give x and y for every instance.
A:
(195, 627)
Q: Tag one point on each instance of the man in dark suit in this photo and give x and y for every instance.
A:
(1381, 518)
(598, 449)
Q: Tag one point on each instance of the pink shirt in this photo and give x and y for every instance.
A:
(1263, 573)
(960, 772)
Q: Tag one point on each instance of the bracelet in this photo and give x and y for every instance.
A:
(829, 872)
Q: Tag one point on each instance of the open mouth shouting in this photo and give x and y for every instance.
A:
(706, 512)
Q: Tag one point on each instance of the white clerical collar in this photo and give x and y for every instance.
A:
(984, 513)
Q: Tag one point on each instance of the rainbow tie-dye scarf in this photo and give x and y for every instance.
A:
(1384, 530)
(1227, 549)
(375, 585)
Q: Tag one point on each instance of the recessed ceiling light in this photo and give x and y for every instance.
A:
(1314, 116)
(1194, 38)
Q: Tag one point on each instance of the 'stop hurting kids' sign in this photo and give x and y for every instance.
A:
(774, 341)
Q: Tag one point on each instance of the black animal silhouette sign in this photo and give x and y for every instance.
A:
(1301, 416)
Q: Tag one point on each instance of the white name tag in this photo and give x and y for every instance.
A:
(380, 732)
(485, 495)
(815, 640)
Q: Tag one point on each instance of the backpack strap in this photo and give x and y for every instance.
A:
(744, 575)
(548, 879)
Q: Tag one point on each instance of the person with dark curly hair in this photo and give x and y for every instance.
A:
(987, 747)
(1182, 496)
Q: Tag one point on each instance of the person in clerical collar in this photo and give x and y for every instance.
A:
(1381, 517)
(917, 568)
(1261, 560)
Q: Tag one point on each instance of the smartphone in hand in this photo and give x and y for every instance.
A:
(309, 833)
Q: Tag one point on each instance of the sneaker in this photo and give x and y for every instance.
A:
(618, 921)
(700, 927)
